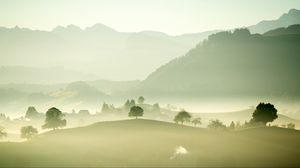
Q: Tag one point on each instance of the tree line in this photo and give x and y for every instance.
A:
(264, 113)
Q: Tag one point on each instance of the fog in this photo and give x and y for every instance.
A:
(98, 97)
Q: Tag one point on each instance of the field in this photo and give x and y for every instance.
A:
(154, 143)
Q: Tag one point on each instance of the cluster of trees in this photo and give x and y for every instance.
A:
(54, 119)
(108, 108)
(185, 117)
(129, 103)
(216, 124)
(28, 132)
(3, 117)
(263, 114)
(126, 107)
(32, 113)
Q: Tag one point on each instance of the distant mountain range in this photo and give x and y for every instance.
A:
(102, 51)
(232, 64)
(98, 50)
(35, 75)
(290, 18)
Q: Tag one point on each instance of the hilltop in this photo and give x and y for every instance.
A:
(153, 143)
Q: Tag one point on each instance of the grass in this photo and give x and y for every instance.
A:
(152, 143)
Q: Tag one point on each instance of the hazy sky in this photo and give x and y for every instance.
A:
(170, 16)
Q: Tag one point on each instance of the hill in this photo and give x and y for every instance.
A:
(289, 18)
(231, 64)
(15, 98)
(152, 143)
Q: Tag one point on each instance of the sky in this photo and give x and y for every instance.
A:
(170, 16)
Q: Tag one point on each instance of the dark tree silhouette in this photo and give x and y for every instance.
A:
(196, 121)
(141, 100)
(2, 132)
(291, 125)
(264, 112)
(31, 113)
(216, 124)
(54, 119)
(127, 105)
(182, 117)
(28, 132)
(155, 107)
(3, 117)
(83, 113)
(131, 103)
(232, 125)
(136, 111)
(105, 108)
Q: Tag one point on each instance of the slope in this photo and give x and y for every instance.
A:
(152, 143)
(231, 64)
(289, 18)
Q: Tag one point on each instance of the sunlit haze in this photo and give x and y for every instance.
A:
(169, 16)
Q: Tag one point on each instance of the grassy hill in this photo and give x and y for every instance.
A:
(153, 143)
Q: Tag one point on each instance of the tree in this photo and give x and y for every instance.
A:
(238, 125)
(84, 113)
(196, 121)
(105, 108)
(131, 103)
(141, 100)
(136, 111)
(155, 107)
(127, 105)
(31, 113)
(182, 117)
(2, 132)
(264, 112)
(216, 124)
(232, 125)
(28, 132)
(291, 125)
(3, 117)
(54, 119)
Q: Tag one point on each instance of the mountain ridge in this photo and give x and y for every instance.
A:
(233, 55)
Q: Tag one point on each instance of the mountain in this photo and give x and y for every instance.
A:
(292, 29)
(113, 87)
(149, 143)
(34, 75)
(105, 52)
(97, 49)
(290, 18)
(231, 64)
